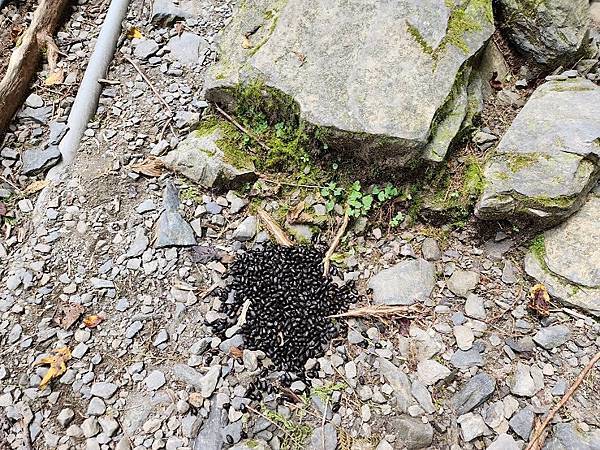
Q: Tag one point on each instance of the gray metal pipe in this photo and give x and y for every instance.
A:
(86, 100)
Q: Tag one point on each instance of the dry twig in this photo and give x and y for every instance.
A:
(275, 230)
(147, 80)
(539, 430)
(243, 129)
(383, 312)
(334, 244)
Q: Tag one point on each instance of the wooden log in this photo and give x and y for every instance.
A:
(25, 58)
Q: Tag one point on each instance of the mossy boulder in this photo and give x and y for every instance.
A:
(378, 79)
(567, 259)
(551, 32)
(549, 158)
(210, 157)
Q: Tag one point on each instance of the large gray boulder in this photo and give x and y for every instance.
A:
(549, 158)
(551, 32)
(567, 260)
(386, 80)
(207, 158)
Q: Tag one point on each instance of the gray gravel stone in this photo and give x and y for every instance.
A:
(133, 329)
(464, 360)
(96, 407)
(246, 230)
(65, 416)
(461, 282)
(431, 250)
(155, 380)
(566, 436)
(188, 48)
(504, 442)
(173, 230)
(144, 48)
(430, 371)
(404, 284)
(522, 383)
(472, 426)
(104, 389)
(399, 382)
(474, 307)
(552, 336)
(522, 423)
(411, 431)
(474, 392)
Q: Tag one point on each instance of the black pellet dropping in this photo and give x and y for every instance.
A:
(289, 304)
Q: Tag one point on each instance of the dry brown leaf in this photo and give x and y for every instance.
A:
(236, 352)
(196, 399)
(151, 167)
(70, 314)
(57, 363)
(539, 300)
(93, 321)
(134, 33)
(36, 186)
(295, 213)
(57, 76)
(246, 42)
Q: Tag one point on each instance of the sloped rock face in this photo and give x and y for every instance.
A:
(568, 264)
(551, 32)
(203, 157)
(379, 78)
(549, 159)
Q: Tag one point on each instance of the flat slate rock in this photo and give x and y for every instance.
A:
(549, 158)
(404, 284)
(36, 160)
(376, 77)
(569, 262)
(550, 32)
(200, 158)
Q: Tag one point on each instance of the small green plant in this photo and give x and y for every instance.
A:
(397, 219)
(386, 193)
(359, 203)
(190, 193)
(332, 194)
(296, 433)
(325, 392)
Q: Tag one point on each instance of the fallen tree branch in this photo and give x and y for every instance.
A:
(149, 83)
(275, 230)
(242, 128)
(334, 244)
(539, 430)
(24, 59)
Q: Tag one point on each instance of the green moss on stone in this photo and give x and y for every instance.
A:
(538, 249)
(562, 202)
(231, 142)
(520, 161)
(418, 37)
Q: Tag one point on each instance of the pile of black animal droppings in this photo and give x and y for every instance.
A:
(290, 301)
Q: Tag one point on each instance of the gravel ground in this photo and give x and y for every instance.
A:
(473, 369)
